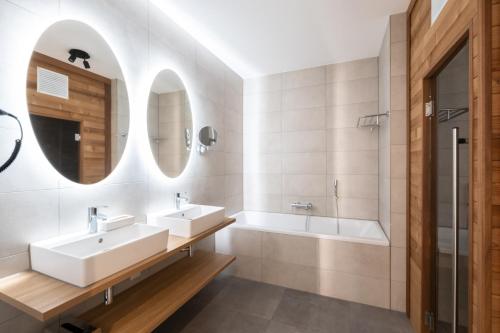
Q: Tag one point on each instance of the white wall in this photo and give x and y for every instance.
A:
(36, 202)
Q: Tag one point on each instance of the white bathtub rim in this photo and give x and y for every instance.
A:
(368, 241)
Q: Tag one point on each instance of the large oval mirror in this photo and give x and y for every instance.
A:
(170, 124)
(78, 103)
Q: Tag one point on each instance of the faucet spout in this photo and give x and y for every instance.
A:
(93, 218)
(178, 200)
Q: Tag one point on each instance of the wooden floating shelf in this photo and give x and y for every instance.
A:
(44, 297)
(146, 305)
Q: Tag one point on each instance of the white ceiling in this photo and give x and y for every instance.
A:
(62, 36)
(259, 37)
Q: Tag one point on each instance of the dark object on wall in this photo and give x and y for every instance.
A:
(18, 143)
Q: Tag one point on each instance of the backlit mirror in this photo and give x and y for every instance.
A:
(170, 124)
(78, 103)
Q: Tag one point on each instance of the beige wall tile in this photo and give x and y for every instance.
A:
(256, 163)
(398, 196)
(263, 202)
(262, 102)
(233, 163)
(290, 275)
(398, 27)
(354, 258)
(239, 242)
(304, 141)
(298, 151)
(246, 267)
(351, 139)
(398, 264)
(263, 143)
(305, 185)
(353, 70)
(263, 184)
(398, 128)
(263, 84)
(304, 119)
(398, 230)
(398, 58)
(233, 204)
(353, 162)
(268, 122)
(398, 92)
(354, 288)
(233, 185)
(398, 161)
(305, 97)
(350, 92)
(297, 250)
(303, 78)
(304, 163)
(398, 296)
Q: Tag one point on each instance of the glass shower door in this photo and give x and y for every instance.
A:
(452, 187)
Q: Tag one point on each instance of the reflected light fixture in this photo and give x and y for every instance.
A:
(79, 54)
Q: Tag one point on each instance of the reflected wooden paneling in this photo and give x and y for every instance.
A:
(88, 103)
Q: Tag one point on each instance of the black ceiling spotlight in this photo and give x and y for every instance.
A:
(79, 54)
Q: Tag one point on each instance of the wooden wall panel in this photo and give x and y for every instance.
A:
(495, 170)
(429, 46)
(88, 103)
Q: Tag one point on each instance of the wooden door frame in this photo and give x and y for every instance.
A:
(428, 176)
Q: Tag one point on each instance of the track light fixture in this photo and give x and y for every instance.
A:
(79, 54)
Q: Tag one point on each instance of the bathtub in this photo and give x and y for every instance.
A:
(349, 261)
(351, 230)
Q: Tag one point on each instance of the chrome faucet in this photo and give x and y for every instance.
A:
(93, 218)
(179, 199)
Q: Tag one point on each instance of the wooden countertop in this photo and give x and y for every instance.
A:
(149, 303)
(44, 297)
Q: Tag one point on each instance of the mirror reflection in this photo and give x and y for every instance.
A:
(170, 123)
(78, 103)
(207, 137)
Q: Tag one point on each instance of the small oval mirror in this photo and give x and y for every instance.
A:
(169, 123)
(208, 136)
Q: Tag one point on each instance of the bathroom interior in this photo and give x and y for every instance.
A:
(250, 166)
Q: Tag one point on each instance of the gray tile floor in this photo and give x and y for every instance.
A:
(232, 305)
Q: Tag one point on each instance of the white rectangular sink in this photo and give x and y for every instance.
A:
(82, 259)
(190, 220)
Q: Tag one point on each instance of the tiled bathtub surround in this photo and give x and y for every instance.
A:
(300, 135)
(392, 156)
(37, 203)
(347, 270)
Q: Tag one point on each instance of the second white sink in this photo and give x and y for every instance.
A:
(190, 220)
(83, 259)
